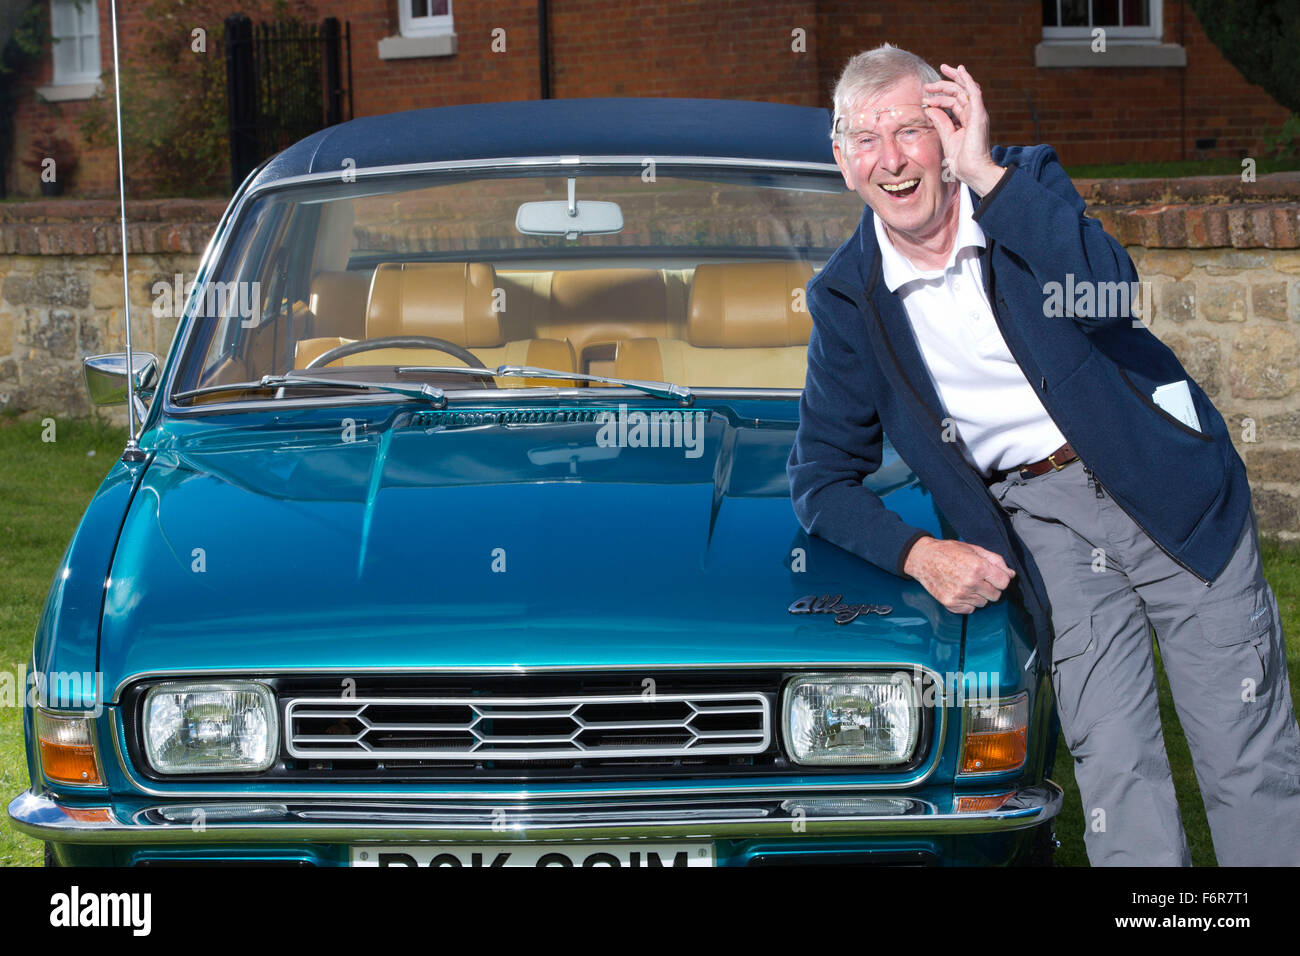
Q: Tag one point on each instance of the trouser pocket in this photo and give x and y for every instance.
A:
(1082, 695)
(1241, 650)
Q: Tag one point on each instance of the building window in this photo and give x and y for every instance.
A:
(424, 29)
(1123, 20)
(422, 18)
(74, 28)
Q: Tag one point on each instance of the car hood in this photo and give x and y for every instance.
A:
(494, 540)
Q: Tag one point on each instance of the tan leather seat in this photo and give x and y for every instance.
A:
(337, 301)
(453, 301)
(599, 307)
(747, 326)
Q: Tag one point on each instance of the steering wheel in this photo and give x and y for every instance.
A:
(403, 342)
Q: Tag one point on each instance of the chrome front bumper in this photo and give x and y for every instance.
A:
(322, 821)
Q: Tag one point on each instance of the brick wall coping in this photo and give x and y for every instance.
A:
(84, 227)
(73, 209)
(1199, 190)
(1200, 212)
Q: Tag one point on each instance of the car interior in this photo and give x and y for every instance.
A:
(732, 324)
(695, 282)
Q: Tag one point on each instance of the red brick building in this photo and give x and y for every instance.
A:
(1155, 89)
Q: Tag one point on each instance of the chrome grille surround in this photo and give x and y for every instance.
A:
(532, 728)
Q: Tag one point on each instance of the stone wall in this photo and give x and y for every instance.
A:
(61, 291)
(1219, 258)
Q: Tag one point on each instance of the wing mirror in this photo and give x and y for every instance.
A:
(106, 378)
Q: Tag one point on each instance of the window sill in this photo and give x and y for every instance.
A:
(64, 92)
(1118, 54)
(404, 48)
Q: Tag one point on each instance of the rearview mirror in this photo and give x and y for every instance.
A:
(569, 219)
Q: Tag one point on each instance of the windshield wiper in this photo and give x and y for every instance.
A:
(436, 395)
(430, 393)
(658, 389)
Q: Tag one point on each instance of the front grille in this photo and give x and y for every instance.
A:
(527, 728)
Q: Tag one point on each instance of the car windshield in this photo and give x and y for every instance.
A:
(689, 274)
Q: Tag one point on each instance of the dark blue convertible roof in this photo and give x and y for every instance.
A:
(614, 126)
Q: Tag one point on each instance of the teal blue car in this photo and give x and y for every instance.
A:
(456, 532)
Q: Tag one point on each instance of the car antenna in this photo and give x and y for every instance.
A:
(133, 452)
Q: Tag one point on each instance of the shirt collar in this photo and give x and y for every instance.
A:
(897, 269)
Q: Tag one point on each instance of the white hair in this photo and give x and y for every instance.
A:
(872, 72)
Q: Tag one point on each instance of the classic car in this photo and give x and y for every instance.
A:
(458, 532)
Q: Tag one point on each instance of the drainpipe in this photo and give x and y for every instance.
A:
(544, 47)
(1182, 82)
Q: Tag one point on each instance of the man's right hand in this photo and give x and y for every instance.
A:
(961, 576)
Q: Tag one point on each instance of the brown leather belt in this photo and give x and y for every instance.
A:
(1056, 460)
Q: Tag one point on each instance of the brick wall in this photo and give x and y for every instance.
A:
(738, 49)
(1090, 114)
(1220, 259)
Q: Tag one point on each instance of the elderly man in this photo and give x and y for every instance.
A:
(1073, 482)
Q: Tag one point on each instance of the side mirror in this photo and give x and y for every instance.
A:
(106, 376)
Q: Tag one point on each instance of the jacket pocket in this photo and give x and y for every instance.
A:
(1150, 403)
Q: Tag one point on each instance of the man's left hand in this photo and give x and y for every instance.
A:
(966, 142)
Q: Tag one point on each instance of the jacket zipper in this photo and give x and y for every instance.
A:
(971, 477)
(997, 316)
(1144, 530)
(916, 395)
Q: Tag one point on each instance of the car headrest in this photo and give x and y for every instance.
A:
(749, 305)
(447, 300)
(594, 295)
(338, 300)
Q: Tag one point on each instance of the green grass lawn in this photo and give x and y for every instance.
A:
(1180, 168)
(45, 487)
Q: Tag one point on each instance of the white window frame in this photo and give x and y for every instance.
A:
(413, 26)
(86, 28)
(1120, 34)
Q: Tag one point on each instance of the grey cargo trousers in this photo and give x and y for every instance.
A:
(1222, 647)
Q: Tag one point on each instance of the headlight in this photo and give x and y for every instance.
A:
(852, 718)
(210, 727)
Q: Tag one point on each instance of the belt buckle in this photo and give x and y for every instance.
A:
(1052, 459)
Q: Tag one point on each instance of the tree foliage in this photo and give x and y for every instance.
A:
(175, 130)
(1261, 38)
(26, 42)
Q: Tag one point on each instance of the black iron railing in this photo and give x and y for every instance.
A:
(284, 81)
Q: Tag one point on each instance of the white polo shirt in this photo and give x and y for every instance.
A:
(998, 419)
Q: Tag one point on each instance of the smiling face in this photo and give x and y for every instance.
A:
(901, 175)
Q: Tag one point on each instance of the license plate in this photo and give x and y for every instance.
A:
(550, 854)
